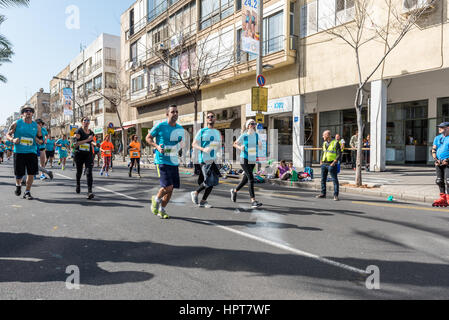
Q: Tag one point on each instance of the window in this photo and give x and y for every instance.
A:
(89, 87)
(321, 15)
(133, 52)
(110, 57)
(137, 83)
(213, 11)
(131, 22)
(98, 83)
(111, 80)
(274, 33)
(79, 72)
(155, 8)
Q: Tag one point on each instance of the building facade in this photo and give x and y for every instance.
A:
(40, 101)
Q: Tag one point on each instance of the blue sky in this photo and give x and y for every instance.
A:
(43, 45)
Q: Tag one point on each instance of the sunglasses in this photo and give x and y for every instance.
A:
(210, 117)
(86, 120)
(28, 111)
(252, 124)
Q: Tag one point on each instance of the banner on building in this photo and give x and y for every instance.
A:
(250, 26)
(67, 94)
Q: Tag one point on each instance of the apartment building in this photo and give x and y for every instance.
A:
(95, 71)
(406, 97)
(59, 123)
(40, 101)
(200, 42)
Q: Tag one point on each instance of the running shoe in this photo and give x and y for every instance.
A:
(194, 198)
(233, 195)
(107, 174)
(78, 189)
(50, 174)
(63, 168)
(321, 196)
(205, 204)
(154, 206)
(130, 175)
(101, 172)
(28, 196)
(140, 177)
(256, 204)
(43, 177)
(336, 198)
(90, 196)
(18, 191)
(163, 214)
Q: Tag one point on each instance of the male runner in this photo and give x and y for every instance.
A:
(2, 150)
(9, 146)
(106, 149)
(63, 146)
(440, 153)
(50, 151)
(134, 149)
(42, 147)
(25, 134)
(208, 142)
(166, 138)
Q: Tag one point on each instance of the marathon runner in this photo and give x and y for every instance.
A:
(63, 146)
(26, 135)
(248, 143)
(208, 142)
(106, 149)
(134, 149)
(42, 147)
(9, 146)
(2, 150)
(440, 154)
(50, 151)
(83, 143)
(166, 138)
(97, 153)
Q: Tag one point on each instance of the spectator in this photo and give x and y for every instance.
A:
(284, 171)
(353, 145)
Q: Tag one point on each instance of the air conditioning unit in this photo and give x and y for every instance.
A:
(186, 74)
(175, 41)
(153, 87)
(416, 6)
(163, 85)
(160, 47)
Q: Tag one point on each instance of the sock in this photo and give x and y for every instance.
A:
(158, 200)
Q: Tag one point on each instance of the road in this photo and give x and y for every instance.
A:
(295, 247)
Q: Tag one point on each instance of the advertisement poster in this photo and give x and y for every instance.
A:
(250, 26)
(67, 101)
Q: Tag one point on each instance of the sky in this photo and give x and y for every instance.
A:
(45, 39)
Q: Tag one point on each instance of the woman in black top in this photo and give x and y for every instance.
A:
(84, 156)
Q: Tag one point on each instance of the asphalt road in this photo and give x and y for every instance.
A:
(295, 247)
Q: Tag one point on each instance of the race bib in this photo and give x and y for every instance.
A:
(107, 151)
(135, 154)
(85, 147)
(252, 152)
(63, 149)
(214, 145)
(27, 142)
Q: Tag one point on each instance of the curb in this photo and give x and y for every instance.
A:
(376, 193)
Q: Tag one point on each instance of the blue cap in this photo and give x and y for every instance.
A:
(443, 125)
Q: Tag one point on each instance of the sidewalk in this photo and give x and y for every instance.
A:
(403, 183)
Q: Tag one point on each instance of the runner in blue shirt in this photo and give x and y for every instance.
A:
(440, 153)
(2, 150)
(9, 145)
(42, 147)
(249, 144)
(208, 142)
(166, 138)
(62, 146)
(50, 151)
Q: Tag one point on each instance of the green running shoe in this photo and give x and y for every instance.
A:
(163, 215)
(154, 206)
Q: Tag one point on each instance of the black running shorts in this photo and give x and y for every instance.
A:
(25, 163)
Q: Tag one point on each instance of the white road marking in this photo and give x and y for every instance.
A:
(104, 189)
(290, 249)
(21, 259)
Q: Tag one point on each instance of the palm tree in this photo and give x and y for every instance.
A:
(5, 46)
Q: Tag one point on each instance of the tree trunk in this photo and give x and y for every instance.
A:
(124, 147)
(358, 108)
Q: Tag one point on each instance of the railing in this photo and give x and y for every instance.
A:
(270, 46)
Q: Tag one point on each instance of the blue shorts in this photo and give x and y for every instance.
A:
(169, 176)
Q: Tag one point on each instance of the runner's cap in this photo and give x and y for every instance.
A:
(443, 125)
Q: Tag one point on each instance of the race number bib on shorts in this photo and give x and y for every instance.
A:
(63, 149)
(135, 154)
(85, 147)
(252, 152)
(27, 142)
(107, 151)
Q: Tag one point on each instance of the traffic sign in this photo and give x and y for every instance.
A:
(110, 125)
(261, 81)
(259, 99)
(260, 119)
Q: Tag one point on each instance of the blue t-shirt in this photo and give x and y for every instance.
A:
(9, 145)
(64, 144)
(208, 138)
(44, 135)
(26, 133)
(442, 144)
(50, 146)
(251, 143)
(169, 137)
(2, 147)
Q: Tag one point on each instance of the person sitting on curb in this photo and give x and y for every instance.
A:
(284, 171)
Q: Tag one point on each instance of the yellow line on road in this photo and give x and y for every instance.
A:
(399, 206)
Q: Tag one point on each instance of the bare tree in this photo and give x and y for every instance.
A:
(388, 27)
(116, 92)
(190, 58)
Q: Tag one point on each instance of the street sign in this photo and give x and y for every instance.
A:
(261, 81)
(110, 125)
(111, 131)
(259, 99)
(73, 130)
(260, 118)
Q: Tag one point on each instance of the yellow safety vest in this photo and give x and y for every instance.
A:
(329, 154)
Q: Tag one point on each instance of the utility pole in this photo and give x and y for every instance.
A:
(261, 39)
